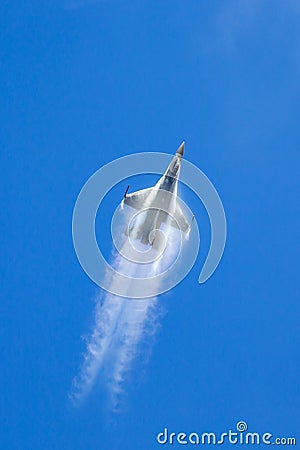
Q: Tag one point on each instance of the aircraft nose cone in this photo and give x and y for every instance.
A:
(180, 149)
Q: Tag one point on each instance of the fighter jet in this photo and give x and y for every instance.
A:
(158, 204)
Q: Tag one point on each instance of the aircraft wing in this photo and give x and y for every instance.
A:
(137, 200)
(180, 220)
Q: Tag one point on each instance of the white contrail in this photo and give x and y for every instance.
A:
(134, 327)
(121, 326)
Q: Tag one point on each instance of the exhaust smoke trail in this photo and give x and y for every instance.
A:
(123, 327)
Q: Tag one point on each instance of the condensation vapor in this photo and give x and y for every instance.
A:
(123, 327)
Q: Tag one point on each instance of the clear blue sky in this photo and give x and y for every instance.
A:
(84, 82)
